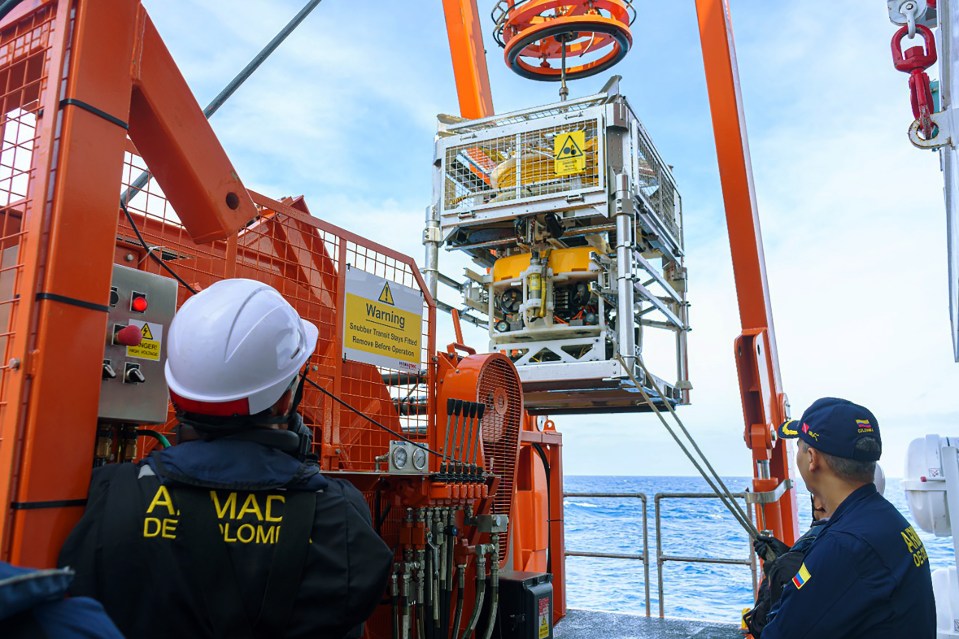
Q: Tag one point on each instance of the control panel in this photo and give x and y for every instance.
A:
(133, 389)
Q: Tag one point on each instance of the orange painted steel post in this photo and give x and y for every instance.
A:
(63, 363)
(469, 58)
(764, 404)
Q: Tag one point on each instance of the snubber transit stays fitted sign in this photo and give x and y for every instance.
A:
(383, 323)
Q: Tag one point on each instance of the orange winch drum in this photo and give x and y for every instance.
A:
(595, 34)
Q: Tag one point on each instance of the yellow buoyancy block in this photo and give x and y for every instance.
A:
(560, 261)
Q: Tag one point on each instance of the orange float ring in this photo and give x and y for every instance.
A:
(595, 35)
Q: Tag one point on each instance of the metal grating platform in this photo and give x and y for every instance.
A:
(589, 624)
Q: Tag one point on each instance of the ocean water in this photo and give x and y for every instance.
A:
(692, 528)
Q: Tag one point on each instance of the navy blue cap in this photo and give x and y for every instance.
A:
(834, 426)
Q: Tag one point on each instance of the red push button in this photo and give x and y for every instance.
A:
(128, 336)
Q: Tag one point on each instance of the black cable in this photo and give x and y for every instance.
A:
(7, 6)
(371, 420)
(149, 250)
(549, 514)
(234, 84)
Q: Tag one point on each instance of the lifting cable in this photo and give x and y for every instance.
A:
(138, 184)
(712, 477)
(370, 419)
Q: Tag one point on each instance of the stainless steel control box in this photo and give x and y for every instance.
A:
(133, 389)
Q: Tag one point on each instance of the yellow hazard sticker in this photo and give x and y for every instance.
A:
(568, 155)
(544, 618)
(386, 296)
(152, 338)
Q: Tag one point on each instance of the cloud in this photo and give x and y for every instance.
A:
(852, 215)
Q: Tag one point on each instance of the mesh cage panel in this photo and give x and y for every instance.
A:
(517, 166)
(25, 59)
(304, 258)
(498, 387)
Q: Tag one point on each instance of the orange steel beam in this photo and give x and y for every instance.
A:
(764, 403)
(116, 73)
(469, 58)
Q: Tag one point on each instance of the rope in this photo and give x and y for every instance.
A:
(712, 477)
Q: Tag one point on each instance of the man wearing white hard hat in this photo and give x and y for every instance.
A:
(233, 532)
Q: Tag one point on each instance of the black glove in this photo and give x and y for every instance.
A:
(768, 548)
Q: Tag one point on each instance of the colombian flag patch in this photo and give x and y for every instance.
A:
(801, 577)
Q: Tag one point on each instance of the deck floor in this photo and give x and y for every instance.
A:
(589, 624)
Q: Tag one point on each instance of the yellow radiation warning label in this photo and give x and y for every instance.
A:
(383, 323)
(152, 339)
(568, 154)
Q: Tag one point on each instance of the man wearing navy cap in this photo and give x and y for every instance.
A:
(867, 574)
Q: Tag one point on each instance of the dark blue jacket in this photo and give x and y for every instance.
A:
(866, 576)
(33, 605)
(137, 553)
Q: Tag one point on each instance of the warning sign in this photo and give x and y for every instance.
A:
(149, 347)
(544, 618)
(568, 154)
(386, 296)
(383, 323)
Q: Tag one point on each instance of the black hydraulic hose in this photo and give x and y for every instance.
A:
(461, 587)
(224, 95)
(494, 585)
(480, 594)
(549, 514)
(160, 437)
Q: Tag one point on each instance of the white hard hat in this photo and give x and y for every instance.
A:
(880, 479)
(234, 349)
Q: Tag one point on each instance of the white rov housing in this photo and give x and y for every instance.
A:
(932, 492)
(578, 223)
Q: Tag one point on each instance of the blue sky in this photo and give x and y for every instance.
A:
(852, 215)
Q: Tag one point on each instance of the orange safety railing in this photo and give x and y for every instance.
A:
(304, 258)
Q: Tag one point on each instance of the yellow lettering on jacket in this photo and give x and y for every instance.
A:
(162, 498)
(231, 511)
(269, 507)
(221, 510)
(250, 507)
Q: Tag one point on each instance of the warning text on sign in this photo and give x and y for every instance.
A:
(378, 329)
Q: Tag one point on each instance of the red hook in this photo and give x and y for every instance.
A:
(915, 58)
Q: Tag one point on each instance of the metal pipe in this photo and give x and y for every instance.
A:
(440, 537)
(431, 242)
(624, 273)
(494, 585)
(394, 593)
(234, 84)
(480, 591)
(405, 600)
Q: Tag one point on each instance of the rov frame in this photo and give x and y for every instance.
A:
(499, 192)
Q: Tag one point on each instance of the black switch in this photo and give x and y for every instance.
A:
(114, 296)
(133, 375)
(108, 372)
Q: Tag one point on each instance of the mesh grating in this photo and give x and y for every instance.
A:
(498, 387)
(516, 167)
(25, 59)
(304, 258)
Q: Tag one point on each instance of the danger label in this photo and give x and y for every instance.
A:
(544, 618)
(152, 338)
(383, 324)
(568, 155)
